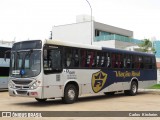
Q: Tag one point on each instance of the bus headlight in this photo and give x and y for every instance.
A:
(34, 86)
(11, 85)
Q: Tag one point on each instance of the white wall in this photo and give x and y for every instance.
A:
(158, 59)
(77, 33)
(132, 48)
(109, 43)
(6, 43)
(158, 76)
(158, 72)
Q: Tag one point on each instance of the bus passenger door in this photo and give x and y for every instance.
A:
(52, 72)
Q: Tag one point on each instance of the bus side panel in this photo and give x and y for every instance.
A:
(4, 72)
(117, 86)
(107, 80)
(146, 84)
(84, 79)
(3, 82)
(147, 78)
(97, 81)
(116, 79)
(52, 85)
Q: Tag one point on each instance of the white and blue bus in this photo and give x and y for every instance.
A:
(4, 66)
(54, 69)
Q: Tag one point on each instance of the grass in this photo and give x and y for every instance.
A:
(156, 86)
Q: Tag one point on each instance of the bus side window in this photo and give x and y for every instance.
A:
(100, 59)
(93, 59)
(137, 62)
(128, 64)
(127, 61)
(90, 59)
(55, 59)
(141, 62)
(83, 57)
(47, 60)
(75, 58)
(52, 60)
(114, 65)
(153, 63)
(119, 61)
(67, 57)
(134, 61)
(147, 62)
(108, 60)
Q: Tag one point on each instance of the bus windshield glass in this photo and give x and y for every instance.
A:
(25, 63)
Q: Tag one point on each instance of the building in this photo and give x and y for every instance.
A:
(156, 45)
(91, 32)
(6, 43)
(158, 70)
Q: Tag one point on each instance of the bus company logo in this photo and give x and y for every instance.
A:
(98, 81)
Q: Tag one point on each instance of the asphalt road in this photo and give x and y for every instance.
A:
(143, 101)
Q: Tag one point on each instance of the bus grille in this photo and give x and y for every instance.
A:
(22, 92)
(23, 82)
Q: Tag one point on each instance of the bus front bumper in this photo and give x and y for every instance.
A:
(24, 93)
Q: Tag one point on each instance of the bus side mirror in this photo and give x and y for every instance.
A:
(5, 57)
(5, 54)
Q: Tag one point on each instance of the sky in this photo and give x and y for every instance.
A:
(34, 19)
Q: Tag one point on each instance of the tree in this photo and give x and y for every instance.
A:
(146, 46)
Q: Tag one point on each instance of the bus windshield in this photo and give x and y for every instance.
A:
(25, 63)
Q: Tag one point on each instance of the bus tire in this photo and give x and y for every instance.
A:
(41, 100)
(133, 89)
(70, 94)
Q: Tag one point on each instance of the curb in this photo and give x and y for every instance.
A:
(149, 90)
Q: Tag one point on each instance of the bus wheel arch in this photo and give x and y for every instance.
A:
(71, 92)
(133, 88)
(134, 79)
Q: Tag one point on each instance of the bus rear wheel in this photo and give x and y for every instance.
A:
(70, 94)
(40, 100)
(133, 89)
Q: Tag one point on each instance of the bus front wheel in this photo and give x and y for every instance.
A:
(133, 89)
(70, 94)
(40, 100)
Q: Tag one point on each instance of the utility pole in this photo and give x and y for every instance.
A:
(91, 19)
